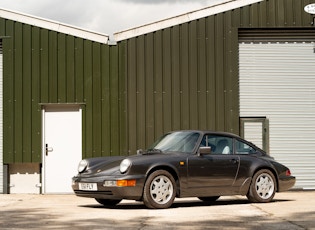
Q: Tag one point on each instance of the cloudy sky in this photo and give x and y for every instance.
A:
(105, 16)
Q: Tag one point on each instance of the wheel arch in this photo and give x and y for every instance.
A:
(272, 170)
(169, 169)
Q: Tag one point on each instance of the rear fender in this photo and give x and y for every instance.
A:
(273, 171)
(245, 186)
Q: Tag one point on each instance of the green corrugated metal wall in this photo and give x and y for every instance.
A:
(183, 77)
(41, 67)
(186, 76)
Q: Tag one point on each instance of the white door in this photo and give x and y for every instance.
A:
(256, 130)
(62, 147)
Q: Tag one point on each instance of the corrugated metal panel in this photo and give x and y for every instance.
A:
(277, 81)
(43, 67)
(181, 78)
(1, 118)
(244, 14)
(215, 7)
(54, 26)
(275, 14)
(185, 75)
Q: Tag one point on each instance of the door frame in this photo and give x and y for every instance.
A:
(265, 129)
(43, 147)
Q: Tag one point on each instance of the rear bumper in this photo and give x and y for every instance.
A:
(285, 183)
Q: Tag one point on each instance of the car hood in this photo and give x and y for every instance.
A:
(110, 165)
(101, 164)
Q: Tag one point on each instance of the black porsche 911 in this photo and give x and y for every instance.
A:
(188, 163)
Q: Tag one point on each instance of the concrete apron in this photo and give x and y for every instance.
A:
(289, 210)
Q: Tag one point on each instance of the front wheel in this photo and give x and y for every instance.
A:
(263, 187)
(159, 190)
(107, 202)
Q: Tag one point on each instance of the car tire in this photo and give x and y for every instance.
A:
(159, 190)
(107, 202)
(209, 198)
(263, 187)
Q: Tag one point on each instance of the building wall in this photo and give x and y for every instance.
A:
(43, 67)
(182, 77)
(186, 76)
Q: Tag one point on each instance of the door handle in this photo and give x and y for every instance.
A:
(48, 149)
(234, 161)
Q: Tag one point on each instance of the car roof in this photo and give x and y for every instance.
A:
(209, 132)
(221, 133)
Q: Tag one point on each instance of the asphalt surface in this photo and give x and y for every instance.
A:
(289, 210)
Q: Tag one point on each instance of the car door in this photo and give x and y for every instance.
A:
(248, 161)
(216, 170)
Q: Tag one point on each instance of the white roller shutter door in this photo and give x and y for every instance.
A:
(277, 80)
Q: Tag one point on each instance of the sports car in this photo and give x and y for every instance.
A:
(188, 163)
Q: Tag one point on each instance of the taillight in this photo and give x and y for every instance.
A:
(288, 172)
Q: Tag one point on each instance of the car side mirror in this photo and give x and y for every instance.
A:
(204, 150)
(139, 152)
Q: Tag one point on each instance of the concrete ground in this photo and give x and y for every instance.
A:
(289, 210)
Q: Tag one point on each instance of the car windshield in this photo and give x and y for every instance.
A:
(177, 142)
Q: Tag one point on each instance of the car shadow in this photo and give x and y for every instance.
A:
(177, 204)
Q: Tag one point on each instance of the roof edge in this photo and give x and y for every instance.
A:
(183, 18)
(54, 26)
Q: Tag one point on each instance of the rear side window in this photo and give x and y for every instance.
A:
(243, 148)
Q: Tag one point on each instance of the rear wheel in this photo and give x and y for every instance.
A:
(107, 202)
(209, 198)
(159, 190)
(263, 187)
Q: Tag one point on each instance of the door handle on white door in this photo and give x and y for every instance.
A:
(48, 149)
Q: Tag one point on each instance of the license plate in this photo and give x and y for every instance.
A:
(88, 186)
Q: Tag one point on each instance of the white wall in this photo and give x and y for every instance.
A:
(24, 178)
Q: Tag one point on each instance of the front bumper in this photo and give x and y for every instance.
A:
(285, 183)
(109, 192)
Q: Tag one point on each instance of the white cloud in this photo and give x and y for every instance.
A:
(105, 16)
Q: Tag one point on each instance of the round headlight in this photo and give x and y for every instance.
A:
(82, 166)
(125, 165)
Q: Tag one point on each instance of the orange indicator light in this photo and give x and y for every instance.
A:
(126, 183)
(181, 163)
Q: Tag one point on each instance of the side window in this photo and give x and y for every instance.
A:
(218, 144)
(243, 148)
